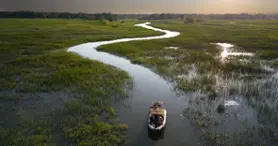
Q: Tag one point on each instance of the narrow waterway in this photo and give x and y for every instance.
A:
(249, 102)
(147, 87)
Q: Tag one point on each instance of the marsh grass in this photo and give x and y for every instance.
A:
(238, 77)
(33, 60)
(268, 54)
(69, 93)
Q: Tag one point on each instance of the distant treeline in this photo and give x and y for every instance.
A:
(132, 16)
(113, 17)
(30, 14)
(242, 16)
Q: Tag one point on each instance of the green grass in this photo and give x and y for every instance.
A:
(251, 35)
(268, 54)
(36, 70)
(216, 79)
(27, 37)
(34, 62)
(195, 48)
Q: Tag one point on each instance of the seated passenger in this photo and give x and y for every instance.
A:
(160, 120)
(152, 119)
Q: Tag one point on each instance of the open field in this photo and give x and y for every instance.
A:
(193, 64)
(51, 97)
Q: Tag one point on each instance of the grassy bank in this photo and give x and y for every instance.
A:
(51, 97)
(196, 66)
(194, 47)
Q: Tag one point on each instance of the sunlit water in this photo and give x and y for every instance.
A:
(148, 86)
(254, 101)
(226, 51)
(172, 48)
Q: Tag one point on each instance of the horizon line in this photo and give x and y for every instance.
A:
(138, 13)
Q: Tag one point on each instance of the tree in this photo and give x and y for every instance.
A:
(199, 20)
(182, 17)
(189, 20)
(101, 19)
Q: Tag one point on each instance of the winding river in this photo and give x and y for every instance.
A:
(147, 87)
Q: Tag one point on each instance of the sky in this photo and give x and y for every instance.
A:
(143, 6)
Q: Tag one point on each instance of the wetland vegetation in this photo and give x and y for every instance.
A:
(52, 97)
(49, 96)
(194, 64)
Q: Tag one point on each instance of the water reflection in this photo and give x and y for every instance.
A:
(156, 135)
(226, 51)
(250, 103)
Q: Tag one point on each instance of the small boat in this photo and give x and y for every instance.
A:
(157, 116)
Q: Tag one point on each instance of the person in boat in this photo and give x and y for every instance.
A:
(160, 120)
(157, 120)
(156, 104)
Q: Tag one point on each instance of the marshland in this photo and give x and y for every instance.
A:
(218, 80)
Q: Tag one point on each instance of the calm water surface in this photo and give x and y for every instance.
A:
(148, 86)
